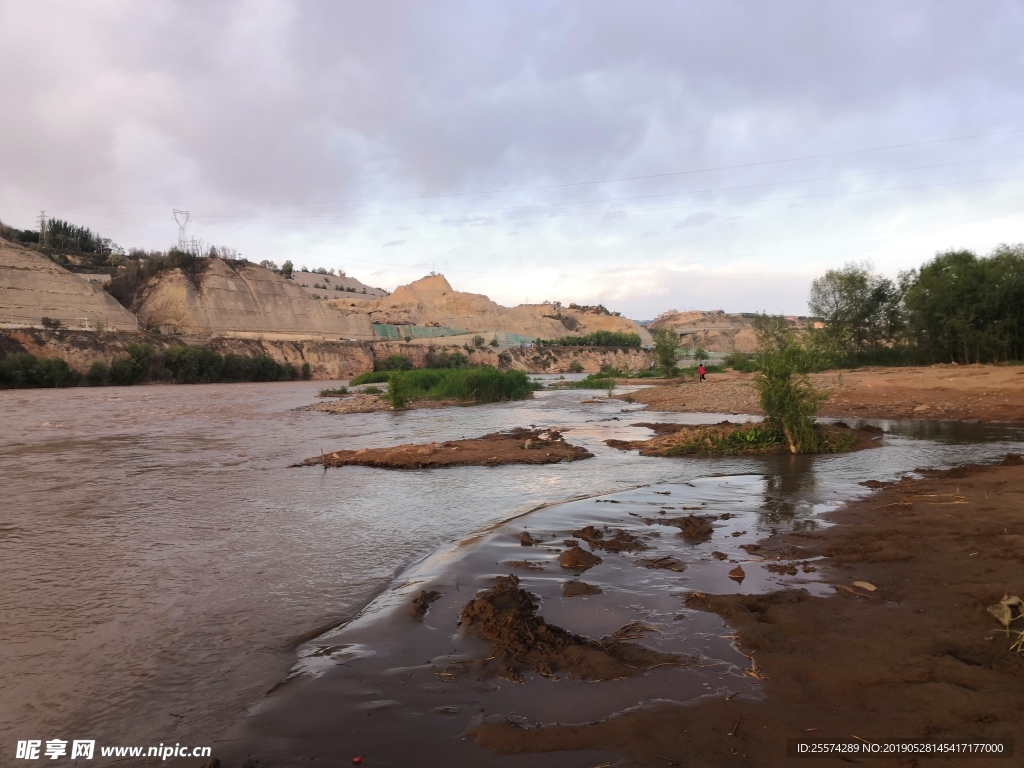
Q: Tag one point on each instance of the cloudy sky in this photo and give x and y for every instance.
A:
(647, 155)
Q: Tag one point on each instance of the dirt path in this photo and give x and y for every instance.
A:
(982, 392)
(917, 658)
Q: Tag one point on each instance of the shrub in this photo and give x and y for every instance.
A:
(25, 370)
(575, 367)
(479, 341)
(435, 360)
(52, 323)
(307, 372)
(338, 392)
(743, 362)
(789, 402)
(373, 390)
(393, 363)
(399, 389)
(98, 375)
(598, 339)
(494, 342)
(374, 377)
(666, 349)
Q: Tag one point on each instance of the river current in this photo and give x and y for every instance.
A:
(160, 560)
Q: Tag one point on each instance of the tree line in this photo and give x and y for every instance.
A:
(958, 307)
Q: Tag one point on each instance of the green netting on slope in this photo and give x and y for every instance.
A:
(399, 332)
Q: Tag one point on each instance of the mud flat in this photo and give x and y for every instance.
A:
(659, 627)
(903, 647)
(516, 446)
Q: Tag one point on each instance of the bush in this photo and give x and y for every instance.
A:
(445, 360)
(598, 339)
(743, 362)
(307, 372)
(338, 392)
(575, 367)
(393, 363)
(494, 342)
(789, 402)
(483, 384)
(479, 341)
(374, 377)
(25, 370)
(399, 389)
(666, 349)
(98, 375)
(51, 323)
(372, 390)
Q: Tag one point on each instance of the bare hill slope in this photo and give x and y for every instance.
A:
(33, 287)
(433, 300)
(244, 301)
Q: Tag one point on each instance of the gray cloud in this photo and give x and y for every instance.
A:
(292, 123)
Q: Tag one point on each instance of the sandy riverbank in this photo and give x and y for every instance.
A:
(983, 392)
(918, 657)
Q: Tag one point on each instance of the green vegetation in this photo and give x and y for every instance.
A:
(434, 359)
(24, 370)
(126, 283)
(482, 384)
(393, 363)
(575, 367)
(750, 438)
(336, 392)
(744, 362)
(479, 341)
(372, 377)
(372, 390)
(178, 364)
(789, 402)
(666, 349)
(958, 307)
(596, 339)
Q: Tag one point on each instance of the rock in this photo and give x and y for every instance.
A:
(737, 574)
(526, 539)
(579, 589)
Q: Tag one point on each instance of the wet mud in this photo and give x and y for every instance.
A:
(517, 446)
(903, 646)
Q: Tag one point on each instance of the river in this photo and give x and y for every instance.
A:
(160, 561)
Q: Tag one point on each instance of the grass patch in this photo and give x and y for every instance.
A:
(334, 392)
(750, 438)
(468, 385)
(373, 377)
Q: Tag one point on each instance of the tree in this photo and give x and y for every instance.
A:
(789, 401)
(701, 354)
(268, 264)
(286, 270)
(479, 341)
(666, 349)
(860, 309)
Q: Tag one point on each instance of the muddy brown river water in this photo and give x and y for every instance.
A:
(162, 566)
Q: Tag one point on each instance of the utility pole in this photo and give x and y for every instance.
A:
(182, 223)
(42, 228)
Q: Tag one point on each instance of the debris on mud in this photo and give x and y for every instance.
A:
(665, 562)
(578, 558)
(496, 449)
(576, 588)
(691, 527)
(621, 541)
(421, 603)
(506, 615)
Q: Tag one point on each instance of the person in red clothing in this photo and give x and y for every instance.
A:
(702, 370)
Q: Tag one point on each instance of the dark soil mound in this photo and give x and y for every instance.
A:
(506, 615)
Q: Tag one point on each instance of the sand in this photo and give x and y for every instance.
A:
(982, 392)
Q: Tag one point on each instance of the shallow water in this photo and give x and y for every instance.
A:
(160, 559)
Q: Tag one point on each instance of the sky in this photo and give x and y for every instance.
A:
(646, 155)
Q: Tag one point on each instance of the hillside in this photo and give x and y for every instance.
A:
(33, 287)
(432, 300)
(714, 330)
(243, 300)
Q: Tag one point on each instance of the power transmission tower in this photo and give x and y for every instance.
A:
(42, 228)
(182, 223)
